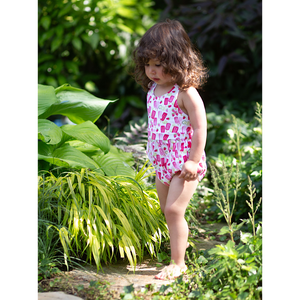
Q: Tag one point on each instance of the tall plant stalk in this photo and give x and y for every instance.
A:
(237, 134)
(250, 203)
(222, 185)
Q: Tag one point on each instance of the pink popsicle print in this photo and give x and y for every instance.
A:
(161, 151)
(162, 128)
(165, 137)
(169, 177)
(168, 125)
(175, 129)
(153, 136)
(153, 114)
(163, 116)
(166, 101)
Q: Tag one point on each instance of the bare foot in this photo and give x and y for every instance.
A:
(171, 272)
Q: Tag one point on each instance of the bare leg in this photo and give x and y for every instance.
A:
(162, 192)
(179, 195)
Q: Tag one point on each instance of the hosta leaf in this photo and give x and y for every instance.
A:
(88, 132)
(49, 132)
(113, 164)
(65, 156)
(77, 104)
(46, 98)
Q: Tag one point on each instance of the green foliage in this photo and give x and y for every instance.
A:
(76, 146)
(134, 139)
(229, 36)
(102, 217)
(79, 38)
(227, 271)
(232, 141)
(88, 44)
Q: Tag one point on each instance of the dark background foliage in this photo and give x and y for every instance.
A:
(229, 36)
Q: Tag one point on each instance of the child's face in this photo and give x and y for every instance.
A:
(154, 72)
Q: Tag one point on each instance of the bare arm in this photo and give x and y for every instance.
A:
(192, 104)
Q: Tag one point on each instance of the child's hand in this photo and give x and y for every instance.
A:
(189, 171)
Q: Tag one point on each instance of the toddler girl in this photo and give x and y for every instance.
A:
(170, 69)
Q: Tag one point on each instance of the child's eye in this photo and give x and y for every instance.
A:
(157, 65)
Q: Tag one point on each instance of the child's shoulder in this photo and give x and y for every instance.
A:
(190, 92)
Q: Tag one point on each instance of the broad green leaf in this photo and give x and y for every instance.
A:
(94, 40)
(112, 165)
(224, 230)
(88, 132)
(245, 237)
(65, 156)
(65, 10)
(124, 28)
(56, 43)
(76, 42)
(45, 21)
(84, 147)
(46, 98)
(77, 104)
(49, 132)
(126, 12)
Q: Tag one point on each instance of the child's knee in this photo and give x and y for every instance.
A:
(172, 212)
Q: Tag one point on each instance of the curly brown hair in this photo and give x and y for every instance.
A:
(169, 43)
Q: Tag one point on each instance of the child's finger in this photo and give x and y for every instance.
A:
(181, 175)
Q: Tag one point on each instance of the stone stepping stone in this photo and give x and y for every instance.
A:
(57, 296)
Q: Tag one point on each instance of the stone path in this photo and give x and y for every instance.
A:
(121, 274)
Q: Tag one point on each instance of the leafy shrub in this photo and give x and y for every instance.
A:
(102, 217)
(232, 141)
(79, 38)
(82, 145)
(88, 43)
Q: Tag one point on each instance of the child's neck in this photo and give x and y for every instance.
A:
(161, 90)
